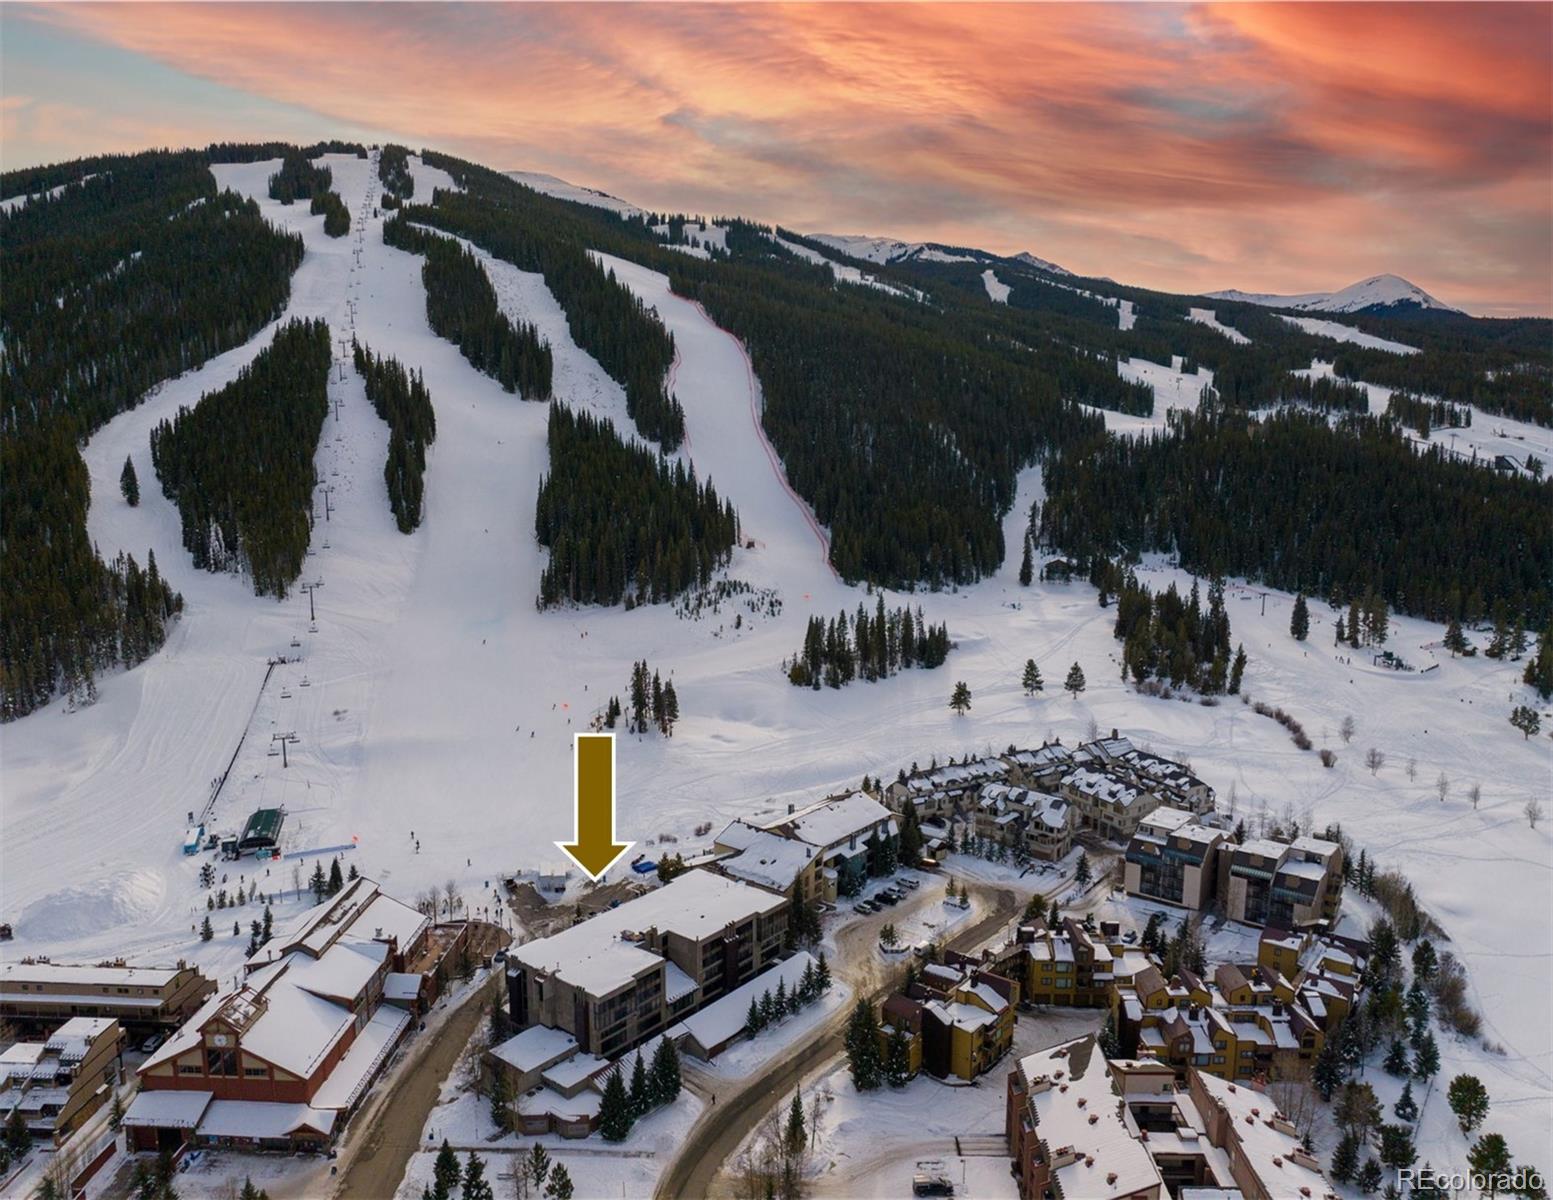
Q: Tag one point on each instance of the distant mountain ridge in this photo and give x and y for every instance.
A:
(1377, 293)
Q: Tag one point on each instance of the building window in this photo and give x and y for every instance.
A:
(258, 1072)
(220, 1062)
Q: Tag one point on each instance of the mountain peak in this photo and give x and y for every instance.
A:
(1375, 293)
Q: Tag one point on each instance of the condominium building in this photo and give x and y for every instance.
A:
(1082, 1127)
(1181, 858)
(39, 995)
(58, 1083)
(958, 1021)
(628, 973)
(1174, 859)
(854, 836)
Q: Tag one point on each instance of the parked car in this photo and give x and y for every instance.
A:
(888, 898)
(931, 1185)
(911, 883)
(151, 1043)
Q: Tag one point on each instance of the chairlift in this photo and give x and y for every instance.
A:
(296, 642)
(284, 694)
(312, 628)
(306, 682)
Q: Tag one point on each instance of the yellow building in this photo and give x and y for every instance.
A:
(958, 1021)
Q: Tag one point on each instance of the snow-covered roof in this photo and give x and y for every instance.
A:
(1083, 1125)
(962, 1016)
(535, 1048)
(296, 1029)
(1103, 787)
(570, 1072)
(828, 823)
(169, 1110)
(676, 984)
(763, 857)
(1320, 847)
(723, 1019)
(1284, 1169)
(86, 976)
(547, 1100)
(595, 955)
(1263, 848)
(356, 1070)
(1301, 869)
(343, 971)
(400, 985)
(262, 1119)
(75, 1036)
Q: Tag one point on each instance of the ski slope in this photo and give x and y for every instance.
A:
(438, 699)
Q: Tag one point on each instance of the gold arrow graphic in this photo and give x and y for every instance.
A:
(593, 771)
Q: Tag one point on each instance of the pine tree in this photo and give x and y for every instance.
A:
(1369, 1176)
(897, 1060)
(615, 1118)
(666, 1082)
(1455, 640)
(1075, 683)
(1526, 719)
(1489, 1155)
(1396, 1059)
(1031, 679)
(1330, 1071)
(476, 1187)
(960, 698)
(1026, 567)
(1237, 671)
(641, 1088)
(560, 1185)
(129, 484)
(1426, 1058)
(754, 1022)
(822, 974)
(537, 1164)
(795, 1137)
(336, 877)
(319, 883)
(1109, 1041)
(1406, 1108)
(862, 1044)
(1299, 620)
(1345, 1159)
(206, 932)
(501, 1115)
(446, 1172)
(1468, 1099)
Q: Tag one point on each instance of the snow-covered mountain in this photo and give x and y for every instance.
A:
(1040, 264)
(891, 250)
(1368, 295)
(550, 185)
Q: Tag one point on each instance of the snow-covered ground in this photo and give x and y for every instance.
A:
(869, 1144)
(439, 699)
(1208, 317)
(1337, 331)
(11, 203)
(997, 290)
(1489, 434)
(843, 272)
(559, 188)
(1173, 388)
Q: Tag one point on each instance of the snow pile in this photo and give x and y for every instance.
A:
(125, 898)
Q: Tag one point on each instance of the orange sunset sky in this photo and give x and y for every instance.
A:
(1186, 147)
